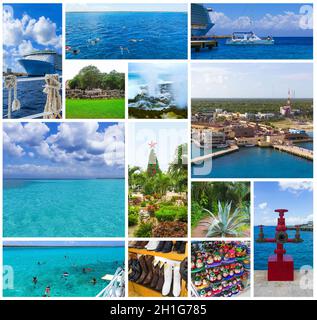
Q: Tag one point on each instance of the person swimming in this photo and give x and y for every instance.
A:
(94, 281)
(34, 280)
(47, 292)
(65, 275)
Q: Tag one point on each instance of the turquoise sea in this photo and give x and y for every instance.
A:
(302, 252)
(63, 208)
(258, 162)
(49, 265)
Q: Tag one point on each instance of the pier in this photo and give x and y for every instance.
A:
(215, 154)
(297, 151)
(203, 43)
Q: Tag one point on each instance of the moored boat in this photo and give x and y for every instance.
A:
(249, 38)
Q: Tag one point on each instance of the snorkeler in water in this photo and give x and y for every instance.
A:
(47, 292)
(34, 280)
(94, 281)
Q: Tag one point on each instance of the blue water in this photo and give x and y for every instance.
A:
(302, 252)
(284, 48)
(63, 208)
(31, 96)
(259, 163)
(53, 263)
(164, 35)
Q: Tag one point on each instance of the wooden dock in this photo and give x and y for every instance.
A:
(201, 44)
(297, 151)
(216, 154)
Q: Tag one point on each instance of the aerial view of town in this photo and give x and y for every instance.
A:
(252, 122)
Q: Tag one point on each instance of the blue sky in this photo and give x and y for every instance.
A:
(85, 7)
(66, 243)
(29, 27)
(251, 80)
(167, 136)
(296, 196)
(263, 19)
(38, 150)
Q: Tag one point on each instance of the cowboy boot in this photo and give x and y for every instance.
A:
(149, 264)
(176, 282)
(182, 247)
(177, 245)
(144, 270)
(167, 247)
(138, 270)
(168, 277)
(184, 270)
(160, 246)
(160, 281)
(155, 275)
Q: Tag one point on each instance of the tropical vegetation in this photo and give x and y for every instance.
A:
(220, 209)
(157, 199)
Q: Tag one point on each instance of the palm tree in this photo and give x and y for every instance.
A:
(223, 223)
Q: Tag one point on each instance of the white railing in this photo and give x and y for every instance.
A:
(116, 286)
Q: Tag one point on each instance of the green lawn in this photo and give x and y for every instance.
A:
(95, 109)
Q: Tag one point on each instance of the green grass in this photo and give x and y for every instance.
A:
(95, 109)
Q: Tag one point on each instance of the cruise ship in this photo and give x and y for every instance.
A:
(39, 63)
(200, 20)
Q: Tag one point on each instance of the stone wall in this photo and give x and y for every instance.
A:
(94, 94)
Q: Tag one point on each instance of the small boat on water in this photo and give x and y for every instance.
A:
(249, 145)
(221, 146)
(249, 38)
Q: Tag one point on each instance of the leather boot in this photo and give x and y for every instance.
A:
(160, 246)
(167, 247)
(149, 264)
(182, 247)
(132, 244)
(177, 245)
(138, 270)
(168, 278)
(184, 270)
(141, 244)
(144, 269)
(160, 281)
(156, 273)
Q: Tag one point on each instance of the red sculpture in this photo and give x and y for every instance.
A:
(280, 265)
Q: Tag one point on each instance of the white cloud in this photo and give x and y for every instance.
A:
(72, 145)
(17, 32)
(295, 186)
(285, 21)
(263, 205)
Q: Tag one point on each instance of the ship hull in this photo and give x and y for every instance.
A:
(36, 68)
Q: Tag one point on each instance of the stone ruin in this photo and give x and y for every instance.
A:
(94, 94)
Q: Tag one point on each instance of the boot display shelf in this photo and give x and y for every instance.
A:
(170, 255)
(136, 289)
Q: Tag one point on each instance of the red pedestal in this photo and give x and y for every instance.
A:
(280, 270)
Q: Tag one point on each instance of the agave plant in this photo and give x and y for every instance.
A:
(224, 223)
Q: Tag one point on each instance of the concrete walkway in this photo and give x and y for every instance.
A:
(264, 288)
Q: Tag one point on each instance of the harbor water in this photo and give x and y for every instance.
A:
(302, 252)
(256, 162)
(283, 48)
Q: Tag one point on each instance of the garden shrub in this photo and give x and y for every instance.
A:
(144, 230)
(182, 214)
(166, 213)
(133, 219)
